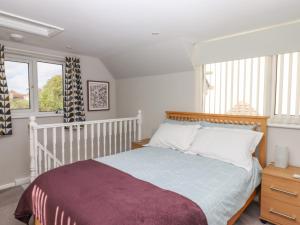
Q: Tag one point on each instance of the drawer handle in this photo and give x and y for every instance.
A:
(283, 191)
(282, 214)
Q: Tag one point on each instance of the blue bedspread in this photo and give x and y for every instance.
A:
(219, 188)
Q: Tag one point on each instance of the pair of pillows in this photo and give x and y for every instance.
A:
(230, 145)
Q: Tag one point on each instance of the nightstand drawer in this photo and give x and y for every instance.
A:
(281, 189)
(279, 212)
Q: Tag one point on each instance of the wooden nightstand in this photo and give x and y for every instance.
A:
(139, 144)
(280, 196)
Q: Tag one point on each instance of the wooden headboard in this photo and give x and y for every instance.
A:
(259, 121)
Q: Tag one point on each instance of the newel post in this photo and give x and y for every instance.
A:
(139, 121)
(33, 150)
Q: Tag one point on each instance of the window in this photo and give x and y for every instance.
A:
(287, 101)
(257, 86)
(18, 82)
(50, 87)
(35, 86)
(235, 87)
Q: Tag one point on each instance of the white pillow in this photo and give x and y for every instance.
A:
(175, 136)
(234, 146)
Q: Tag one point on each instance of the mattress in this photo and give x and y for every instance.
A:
(220, 189)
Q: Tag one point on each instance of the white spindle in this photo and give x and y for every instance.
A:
(33, 149)
(109, 136)
(45, 147)
(115, 135)
(49, 161)
(54, 147)
(121, 134)
(78, 142)
(125, 134)
(130, 124)
(298, 88)
(104, 138)
(289, 84)
(98, 139)
(139, 120)
(71, 143)
(40, 160)
(134, 130)
(63, 144)
(92, 140)
(85, 140)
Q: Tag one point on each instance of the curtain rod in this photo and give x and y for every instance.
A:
(33, 53)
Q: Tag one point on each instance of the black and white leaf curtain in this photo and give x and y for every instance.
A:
(73, 94)
(5, 114)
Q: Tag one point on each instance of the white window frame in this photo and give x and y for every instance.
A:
(269, 96)
(33, 84)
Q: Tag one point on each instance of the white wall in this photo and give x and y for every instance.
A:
(273, 41)
(154, 95)
(14, 149)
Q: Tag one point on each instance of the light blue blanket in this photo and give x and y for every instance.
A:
(219, 188)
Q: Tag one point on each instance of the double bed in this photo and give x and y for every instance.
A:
(221, 190)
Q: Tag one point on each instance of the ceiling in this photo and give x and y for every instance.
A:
(119, 32)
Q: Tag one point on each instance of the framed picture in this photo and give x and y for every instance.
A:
(98, 95)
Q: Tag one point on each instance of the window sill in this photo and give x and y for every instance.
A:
(286, 126)
(38, 115)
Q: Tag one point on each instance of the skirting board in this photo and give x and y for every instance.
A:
(18, 182)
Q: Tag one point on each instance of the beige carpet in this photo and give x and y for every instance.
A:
(9, 199)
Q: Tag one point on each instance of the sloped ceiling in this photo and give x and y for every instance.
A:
(119, 32)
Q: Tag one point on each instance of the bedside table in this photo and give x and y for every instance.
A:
(139, 144)
(280, 196)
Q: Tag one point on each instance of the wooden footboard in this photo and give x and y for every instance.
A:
(37, 222)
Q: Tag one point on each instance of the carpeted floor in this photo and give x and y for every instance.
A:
(9, 199)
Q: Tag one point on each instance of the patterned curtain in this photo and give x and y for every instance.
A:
(5, 115)
(73, 94)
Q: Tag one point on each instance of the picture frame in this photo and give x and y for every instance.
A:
(98, 95)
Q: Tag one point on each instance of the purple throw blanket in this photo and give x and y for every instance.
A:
(92, 193)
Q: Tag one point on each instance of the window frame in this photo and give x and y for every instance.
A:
(33, 84)
(286, 121)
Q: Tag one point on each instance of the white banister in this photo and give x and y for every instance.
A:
(104, 138)
(92, 140)
(71, 143)
(47, 149)
(98, 139)
(33, 148)
(120, 134)
(115, 136)
(125, 134)
(139, 121)
(109, 137)
(78, 142)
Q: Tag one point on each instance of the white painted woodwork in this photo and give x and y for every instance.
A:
(85, 141)
(121, 133)
(92, 140)
(71, 143)
(47, 154)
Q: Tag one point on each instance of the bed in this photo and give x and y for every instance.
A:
(219, 201)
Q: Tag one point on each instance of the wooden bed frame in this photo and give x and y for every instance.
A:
(259, 121)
